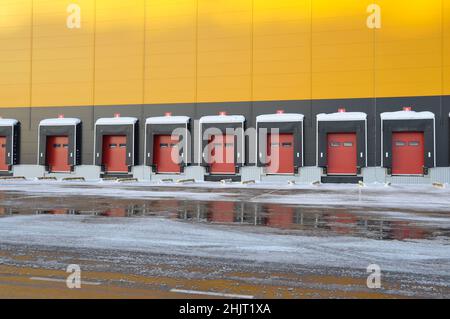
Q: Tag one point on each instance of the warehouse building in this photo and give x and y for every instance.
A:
(302, 90)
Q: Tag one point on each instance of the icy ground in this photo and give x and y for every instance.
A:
(414, 197)
(158, 235)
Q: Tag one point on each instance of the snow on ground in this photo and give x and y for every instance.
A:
(102, 189)
(158, 235)
(414, 197)
(428, 199)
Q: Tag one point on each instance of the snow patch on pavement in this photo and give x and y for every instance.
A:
(104, 189)
(414, 197)
(158, 235)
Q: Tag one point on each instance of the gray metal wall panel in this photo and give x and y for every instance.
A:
(184, 109)
(270, 107)
(28, 139)
(440, 174)
(22, 114)
(232, 108)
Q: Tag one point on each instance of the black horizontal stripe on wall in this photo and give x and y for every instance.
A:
(439, 105)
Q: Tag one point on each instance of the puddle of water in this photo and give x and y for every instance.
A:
(286, 218)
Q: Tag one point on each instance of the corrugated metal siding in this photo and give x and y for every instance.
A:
(409, 179)
(251, 173)
(374, 175)
(440, 175)
(189, 51)
(310, 174)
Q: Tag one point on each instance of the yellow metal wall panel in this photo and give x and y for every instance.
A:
(224, 50)
(408, 48)
(281, 50)
(158, 51)
(446, 46)
(119, 52)
(170, 61)
(63, 57)
(342, 50)
(15, 53)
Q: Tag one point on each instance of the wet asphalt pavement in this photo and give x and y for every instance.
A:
(147, 273)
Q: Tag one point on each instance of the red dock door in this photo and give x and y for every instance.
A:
(115, 153)
(341, 154)
(3, 152)
(58, 154)
(280, 151)
(407, 153)
(222, 152)
(166, 154)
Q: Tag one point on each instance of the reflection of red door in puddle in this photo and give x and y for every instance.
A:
(58, 211)
(280, 216)
(280, 151)
(407, 153)
(3, 152)
(115, 212)
(222, 212)
(342, 223)
(341, 151)
(402, 230)
(222, 154)
(115, 153)
(166, 154)
(58, 153)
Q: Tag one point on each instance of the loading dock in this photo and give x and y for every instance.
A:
(167, 143)
(115, 146)
(9, 144)
(222, 150)
(59, 144)
(342, 146)
(408, 142)
(280, 142)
